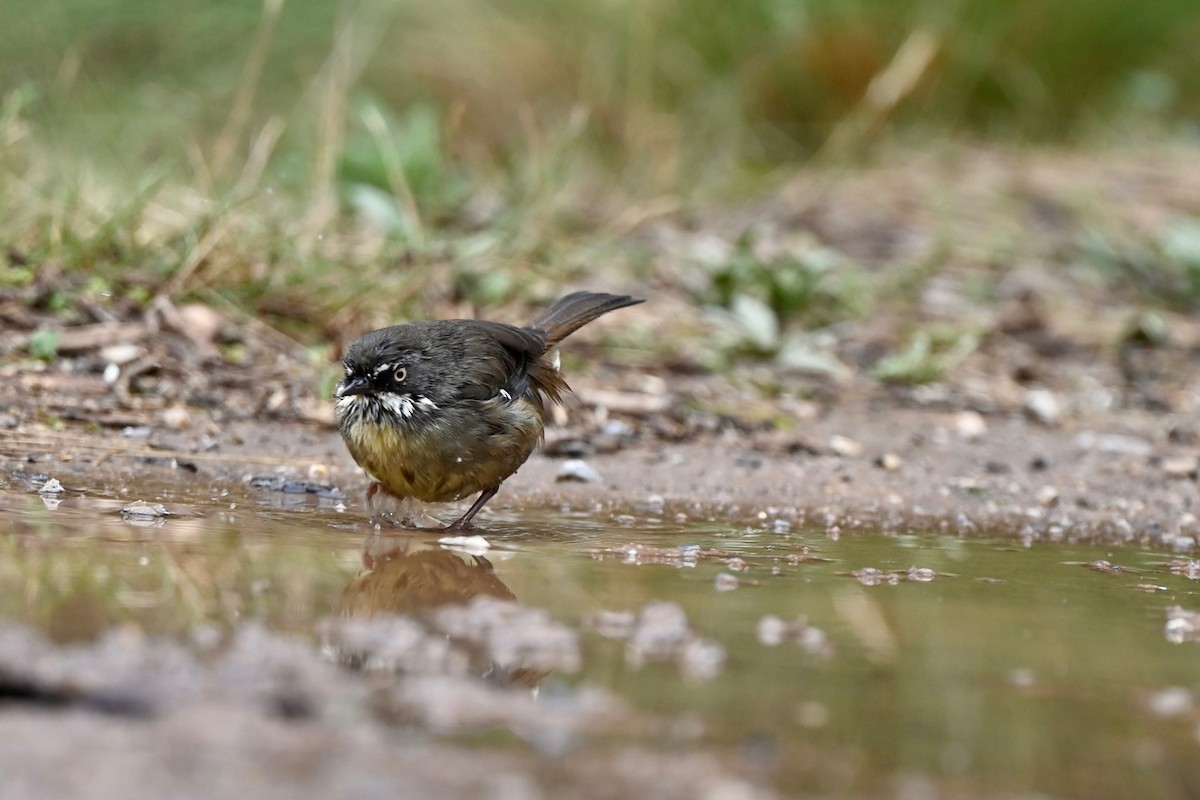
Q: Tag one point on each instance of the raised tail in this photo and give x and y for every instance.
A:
(575, 310)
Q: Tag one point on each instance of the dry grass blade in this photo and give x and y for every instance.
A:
(243, 104)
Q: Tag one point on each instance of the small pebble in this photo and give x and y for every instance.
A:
(970, 425)
(889, 461)
(726, 582)
(1047, 496)
(1042, 406)
(844, 446)
(1114, 444)
(576, 469)
(120, 354)
(615, 427)
(200, 323)
(1181, 466)
(176, 417)
(144, 510)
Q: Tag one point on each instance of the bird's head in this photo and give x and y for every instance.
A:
(388, 377)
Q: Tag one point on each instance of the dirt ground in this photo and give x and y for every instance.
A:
(1046, 466)
(1057, 427)
(134, 718)
(1074, 415)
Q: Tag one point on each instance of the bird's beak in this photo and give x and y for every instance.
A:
(352, 386)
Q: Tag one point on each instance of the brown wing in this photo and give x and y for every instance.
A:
(504, 357)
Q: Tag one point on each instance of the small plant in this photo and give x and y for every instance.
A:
(394, 172)
(809, 284)
(927, 357)
(43, 343)
(764, 304)
(1165, 268)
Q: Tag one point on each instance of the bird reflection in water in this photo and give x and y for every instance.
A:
(418, 579)
(404, 575)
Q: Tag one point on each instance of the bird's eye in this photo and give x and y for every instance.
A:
(400, 375)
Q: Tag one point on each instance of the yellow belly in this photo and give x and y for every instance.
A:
(450, 454)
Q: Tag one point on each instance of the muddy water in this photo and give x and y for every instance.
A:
(866, 665)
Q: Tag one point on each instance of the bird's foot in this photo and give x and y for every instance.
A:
(464, 522)
(388, 510)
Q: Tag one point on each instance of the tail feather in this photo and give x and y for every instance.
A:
(576, 310)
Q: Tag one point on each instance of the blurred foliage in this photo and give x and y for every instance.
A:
(1165, 268)
(669, 88)
(927, 357)
(331, 167)
(395, 171)
(809, 284)
(43, 344)
(764, 297)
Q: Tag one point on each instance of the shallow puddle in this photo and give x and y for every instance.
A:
(864, 666)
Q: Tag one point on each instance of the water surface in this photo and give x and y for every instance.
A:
(951, 667)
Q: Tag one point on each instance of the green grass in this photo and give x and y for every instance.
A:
(328, 167)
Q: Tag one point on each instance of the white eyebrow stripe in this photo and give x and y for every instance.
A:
(381, 368)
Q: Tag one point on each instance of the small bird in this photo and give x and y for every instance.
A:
(441, 409)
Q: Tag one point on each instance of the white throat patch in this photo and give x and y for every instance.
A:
(401, 405)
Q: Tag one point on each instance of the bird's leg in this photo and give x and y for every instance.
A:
(464, 522)
(383, 505)
(378, 495)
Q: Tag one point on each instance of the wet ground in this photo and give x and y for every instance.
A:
(756, 579)
(200, 636)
